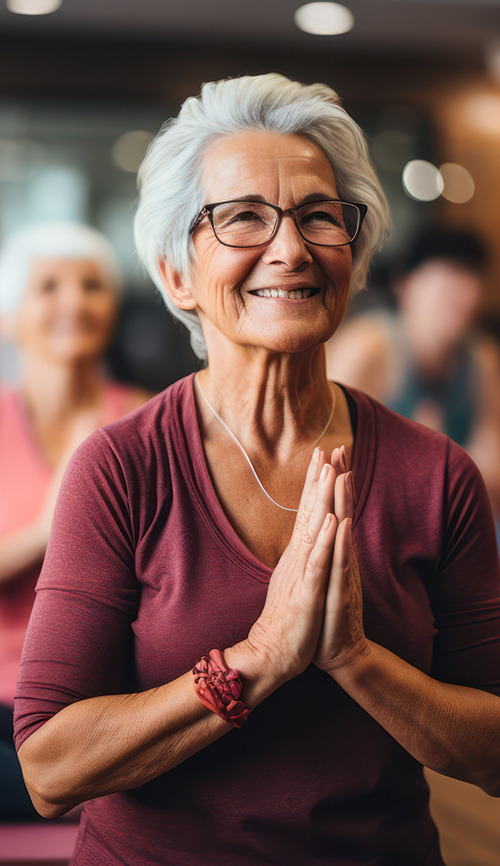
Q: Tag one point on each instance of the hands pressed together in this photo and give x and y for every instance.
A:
(313, 610)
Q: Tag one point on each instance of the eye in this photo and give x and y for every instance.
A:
(48, 286)
(243, 216)
(332, 217)
(92, 285)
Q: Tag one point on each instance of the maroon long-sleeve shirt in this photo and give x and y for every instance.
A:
(144, 574)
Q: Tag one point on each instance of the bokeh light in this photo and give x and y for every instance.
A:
(482, 112)
(33, 7)
(422, 180)
(459, 186)
(324, 19)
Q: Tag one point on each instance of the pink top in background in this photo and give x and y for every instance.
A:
(25, 479)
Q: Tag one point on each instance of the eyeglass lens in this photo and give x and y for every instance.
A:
(246, 224)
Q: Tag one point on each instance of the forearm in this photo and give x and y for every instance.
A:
(22, 549)
(451, 729)
(113, 743)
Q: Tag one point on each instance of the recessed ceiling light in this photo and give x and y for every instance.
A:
(324, 19)
(422, 180)
(33, 7)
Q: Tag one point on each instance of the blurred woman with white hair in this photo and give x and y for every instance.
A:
(60, 287)
(258, 548)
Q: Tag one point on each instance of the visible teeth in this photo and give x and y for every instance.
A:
(280, 293)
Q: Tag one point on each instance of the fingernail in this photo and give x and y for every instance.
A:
(343, 458)
(324, 472)
(326, 523)
(349, 483)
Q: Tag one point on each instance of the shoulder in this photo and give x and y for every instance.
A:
(393, 430)
(141, 439)
(407, 450)
(362, 353)
(9, 399)
(14, 422)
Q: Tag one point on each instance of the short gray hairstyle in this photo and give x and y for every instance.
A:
(171, 191)
(50, 240)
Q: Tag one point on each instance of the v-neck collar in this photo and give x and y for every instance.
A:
(191, 454)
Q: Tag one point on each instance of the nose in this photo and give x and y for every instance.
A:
(288, 246)
(73, 298)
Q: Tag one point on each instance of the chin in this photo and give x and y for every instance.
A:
(292, 343)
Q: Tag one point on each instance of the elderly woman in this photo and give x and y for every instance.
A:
(59, 294)
(258, 548)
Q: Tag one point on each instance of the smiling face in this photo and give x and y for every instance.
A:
(288, 295)
(68, 311)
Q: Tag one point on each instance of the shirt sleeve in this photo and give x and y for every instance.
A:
(467, 604)
(80, 636)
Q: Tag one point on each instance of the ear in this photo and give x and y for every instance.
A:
(175, 286)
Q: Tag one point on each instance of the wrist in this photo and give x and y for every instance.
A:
(257, 674)
(350, 664)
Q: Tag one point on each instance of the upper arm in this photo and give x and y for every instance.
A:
(467, 645)
(80, 629)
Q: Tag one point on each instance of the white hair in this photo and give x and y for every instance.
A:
(170, 183)
(50, 240)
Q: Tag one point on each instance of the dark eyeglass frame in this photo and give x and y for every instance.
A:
(207, 210)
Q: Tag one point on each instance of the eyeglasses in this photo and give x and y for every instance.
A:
(328, 223)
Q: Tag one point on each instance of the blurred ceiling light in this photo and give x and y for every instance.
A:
(324, 19)
(422, 180)
(482, 111)
(33, 7)
(459, 186)
(128, 150)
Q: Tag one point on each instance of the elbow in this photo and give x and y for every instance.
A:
(45, 808)
(46, 802)
(46, 795)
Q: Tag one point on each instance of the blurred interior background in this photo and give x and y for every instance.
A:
(85, 87)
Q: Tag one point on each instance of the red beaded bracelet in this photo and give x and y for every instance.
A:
(219, 687)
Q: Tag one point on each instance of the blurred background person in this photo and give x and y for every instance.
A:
(429, 360)
(60, 288)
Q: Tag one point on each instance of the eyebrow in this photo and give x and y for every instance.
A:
(312, 197)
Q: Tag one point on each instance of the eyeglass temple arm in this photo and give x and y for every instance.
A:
(197, 220)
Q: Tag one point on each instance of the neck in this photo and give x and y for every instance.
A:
(275, 403)
(54, 392)
(433, 358)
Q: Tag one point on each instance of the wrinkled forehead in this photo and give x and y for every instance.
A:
(267, 164)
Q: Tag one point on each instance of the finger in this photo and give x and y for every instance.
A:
(310, 489)
(338, 460)
(310, 518)
(343, 544)
(312, 477)
(320, 559)
(344, 496)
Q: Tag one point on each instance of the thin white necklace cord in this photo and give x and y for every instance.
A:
(247, 458)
